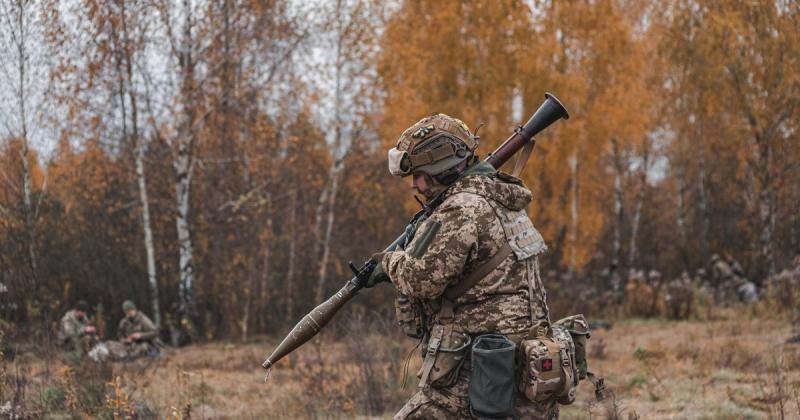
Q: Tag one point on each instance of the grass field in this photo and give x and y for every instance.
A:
(735, 366)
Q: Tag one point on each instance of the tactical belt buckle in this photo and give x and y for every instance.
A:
(600, 390)
(430, 356)
(433, 345)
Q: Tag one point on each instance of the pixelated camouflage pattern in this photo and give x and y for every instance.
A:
(141, 324)
(470, 234)
(72, 326)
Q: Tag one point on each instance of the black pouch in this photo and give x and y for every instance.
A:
(492, 391)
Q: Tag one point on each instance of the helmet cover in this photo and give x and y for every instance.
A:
(432, 146)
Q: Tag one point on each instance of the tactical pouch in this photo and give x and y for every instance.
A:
(444, 357)
(491, 387)
(579, 330)
(547, 361)
(409, 316)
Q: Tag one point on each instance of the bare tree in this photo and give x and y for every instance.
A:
(619, 173)
(644, 167)
(19, 32)
(351, 33)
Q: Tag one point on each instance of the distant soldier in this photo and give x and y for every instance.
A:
(638, 294)
(137, 332)
(793, 276)
(722, 279)
(703, 292)
(701, 279)
(76, 334)
(680, 297)
(721, 272)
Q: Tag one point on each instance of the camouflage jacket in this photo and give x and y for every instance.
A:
(461, 234)
(138, 324)
(72, 326)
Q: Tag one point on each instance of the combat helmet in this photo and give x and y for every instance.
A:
(435, 145)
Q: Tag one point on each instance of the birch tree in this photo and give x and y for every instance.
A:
(351, 38)
(21, 106)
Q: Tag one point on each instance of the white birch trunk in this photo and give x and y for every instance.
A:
(766, 204)
(185, 257)
(292, 251)
(328, 196)
(265, 270)
(637, 212)
(319, 294)
(618, 201)
(184, 165)
(30, 220)
(152, 280)
(703, 203)
(141, 177)
(20, 43)
(681, 214)
(573, 233)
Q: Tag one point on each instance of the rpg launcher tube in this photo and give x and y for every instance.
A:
(312, 323)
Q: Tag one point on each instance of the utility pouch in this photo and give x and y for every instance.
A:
(491, 387)
(547, 361)
(579, 330)
(409, 316)
(444, 357)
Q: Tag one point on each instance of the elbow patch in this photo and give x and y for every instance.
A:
(421, 246)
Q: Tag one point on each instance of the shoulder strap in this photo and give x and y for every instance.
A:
(453, 292)
(522, 158)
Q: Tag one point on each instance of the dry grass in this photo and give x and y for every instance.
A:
(734, 366)
(726, 368)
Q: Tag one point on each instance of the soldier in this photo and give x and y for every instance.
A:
(471, 209)
(137, 332)
(722, 279)
(638, 294)
(76, 334)
(680, 297)
(731, 281)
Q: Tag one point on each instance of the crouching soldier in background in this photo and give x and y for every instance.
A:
(137, 332)
(76, 334)
(680, 297)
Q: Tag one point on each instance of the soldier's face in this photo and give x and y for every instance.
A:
(425, 185)
(131, 313)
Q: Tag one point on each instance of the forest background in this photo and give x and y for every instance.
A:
(220, 162)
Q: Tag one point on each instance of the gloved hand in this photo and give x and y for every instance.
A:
(377, 275)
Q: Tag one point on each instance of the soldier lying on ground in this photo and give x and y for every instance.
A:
(76, 334)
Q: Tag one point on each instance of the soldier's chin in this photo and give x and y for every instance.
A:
(429, 194)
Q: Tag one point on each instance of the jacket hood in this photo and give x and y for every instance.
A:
(484, 180)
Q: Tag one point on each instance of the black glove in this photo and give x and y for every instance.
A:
(377, 275)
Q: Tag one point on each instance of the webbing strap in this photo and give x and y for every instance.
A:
(458, 289)
(522, 158)
(431, 156)
(430, 355)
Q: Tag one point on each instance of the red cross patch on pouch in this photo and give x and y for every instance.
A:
(547, 365)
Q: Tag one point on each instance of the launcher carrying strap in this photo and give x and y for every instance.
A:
(455, 291)
(446, 312)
